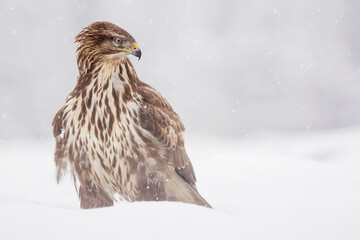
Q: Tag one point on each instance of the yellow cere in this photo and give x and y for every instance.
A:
(135, 46)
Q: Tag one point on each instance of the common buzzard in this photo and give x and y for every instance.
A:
(116, 135)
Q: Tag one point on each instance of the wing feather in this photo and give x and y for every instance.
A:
(58, 132)
(157, 116)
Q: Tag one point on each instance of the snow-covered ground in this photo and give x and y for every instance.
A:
(273, 186)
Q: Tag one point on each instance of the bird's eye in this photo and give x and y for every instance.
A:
(117, 40)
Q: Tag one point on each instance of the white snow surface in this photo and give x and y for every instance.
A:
(272, 186)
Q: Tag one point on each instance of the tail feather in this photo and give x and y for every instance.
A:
(179, 190)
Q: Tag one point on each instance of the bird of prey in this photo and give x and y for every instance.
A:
(117, 136)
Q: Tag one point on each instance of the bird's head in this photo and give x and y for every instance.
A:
(104, 40)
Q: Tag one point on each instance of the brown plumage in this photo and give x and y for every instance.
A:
(117, 135)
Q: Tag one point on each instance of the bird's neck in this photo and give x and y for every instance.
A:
(119, 71)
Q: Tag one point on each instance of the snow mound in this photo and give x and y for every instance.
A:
(277, 186)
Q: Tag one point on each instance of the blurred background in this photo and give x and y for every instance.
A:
(227, 67)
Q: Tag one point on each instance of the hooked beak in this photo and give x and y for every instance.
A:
(136, 51)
